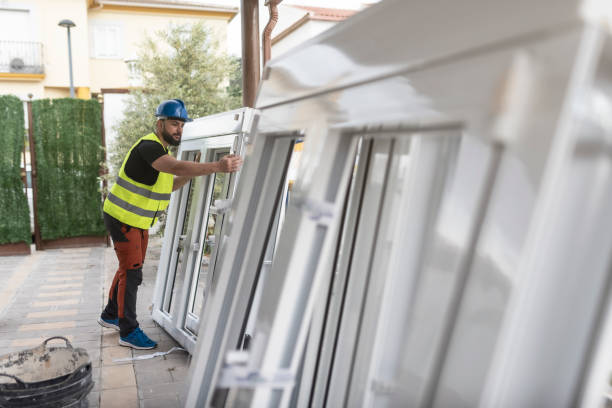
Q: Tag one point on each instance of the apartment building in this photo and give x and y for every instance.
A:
(34, 57)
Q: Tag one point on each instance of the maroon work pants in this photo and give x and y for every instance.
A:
(130, 247)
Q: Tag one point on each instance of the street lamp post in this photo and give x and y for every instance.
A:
(68, 23)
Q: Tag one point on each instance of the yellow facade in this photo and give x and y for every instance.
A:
(106, 37)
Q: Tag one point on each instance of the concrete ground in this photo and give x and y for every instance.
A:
(61, 293)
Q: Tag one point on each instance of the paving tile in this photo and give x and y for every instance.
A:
(16, 279)
(56, 303)
(118, 376)
(147, 322)
(90, 324)
(64, 272)
(75, 250)
(109, 354)
(119, 398)
(110, 338)
(62, 286)
(180, 373)
(137, 353)
(153, 377)
(52, 313)
(81, 336)
(46, 326)
(96, 373)
(88, 315)
(168, 402)
(166, 343)
(161, 390)
(35, 341)
(64, 278)
(157, 363)
(182, 397)
(66, 293)
(94, 357)
(93, 399)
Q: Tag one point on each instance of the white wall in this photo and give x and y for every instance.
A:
(309, 30)
(114, 106)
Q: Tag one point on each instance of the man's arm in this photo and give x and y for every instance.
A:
(180, 181)
(186, 170)
(169, 164)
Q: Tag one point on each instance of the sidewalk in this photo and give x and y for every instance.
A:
(61, 293)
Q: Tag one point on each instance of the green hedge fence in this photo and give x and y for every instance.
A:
(14, 213)
(67, 139)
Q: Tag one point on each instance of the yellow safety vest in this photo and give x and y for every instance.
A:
(138, 204)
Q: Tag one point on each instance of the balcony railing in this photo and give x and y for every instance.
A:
(21, 57)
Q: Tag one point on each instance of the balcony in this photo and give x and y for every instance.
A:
(21, 57)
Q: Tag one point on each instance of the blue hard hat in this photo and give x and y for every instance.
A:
(172, 109)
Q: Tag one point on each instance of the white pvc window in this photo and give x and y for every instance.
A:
(191, 241)
(393, 204)
(265, 194)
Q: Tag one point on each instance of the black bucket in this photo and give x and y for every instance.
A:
(46, 377)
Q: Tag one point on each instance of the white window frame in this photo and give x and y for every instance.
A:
(99, 32)
(206, 135)
(508, 93)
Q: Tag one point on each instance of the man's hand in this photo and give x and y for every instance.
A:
(230, 163)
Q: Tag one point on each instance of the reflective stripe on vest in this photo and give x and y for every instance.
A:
(142, 191)
(129, 207)
(138, 204)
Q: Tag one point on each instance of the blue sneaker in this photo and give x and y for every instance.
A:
(138, 340)
(110, 323)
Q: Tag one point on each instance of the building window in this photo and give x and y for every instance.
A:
(107, 40)
(14, 25)
(134, 77)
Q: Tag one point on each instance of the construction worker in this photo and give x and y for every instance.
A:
(147, 177)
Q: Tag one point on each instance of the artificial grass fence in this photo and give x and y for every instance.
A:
(68, 147)
(14, 213)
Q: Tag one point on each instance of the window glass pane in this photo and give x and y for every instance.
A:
(178, 272)
(266, 265)
(107, 41)
(212, 228)
(391, 217)
(359, 244)
(425, 262)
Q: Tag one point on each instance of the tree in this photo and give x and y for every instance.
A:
(234, 88)
(182, 62)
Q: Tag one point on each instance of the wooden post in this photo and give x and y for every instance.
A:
(103, 168)
(37, 238)
(249, 10)
(25, 187)
(24, 169)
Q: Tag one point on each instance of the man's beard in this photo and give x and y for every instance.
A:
(169, 139)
